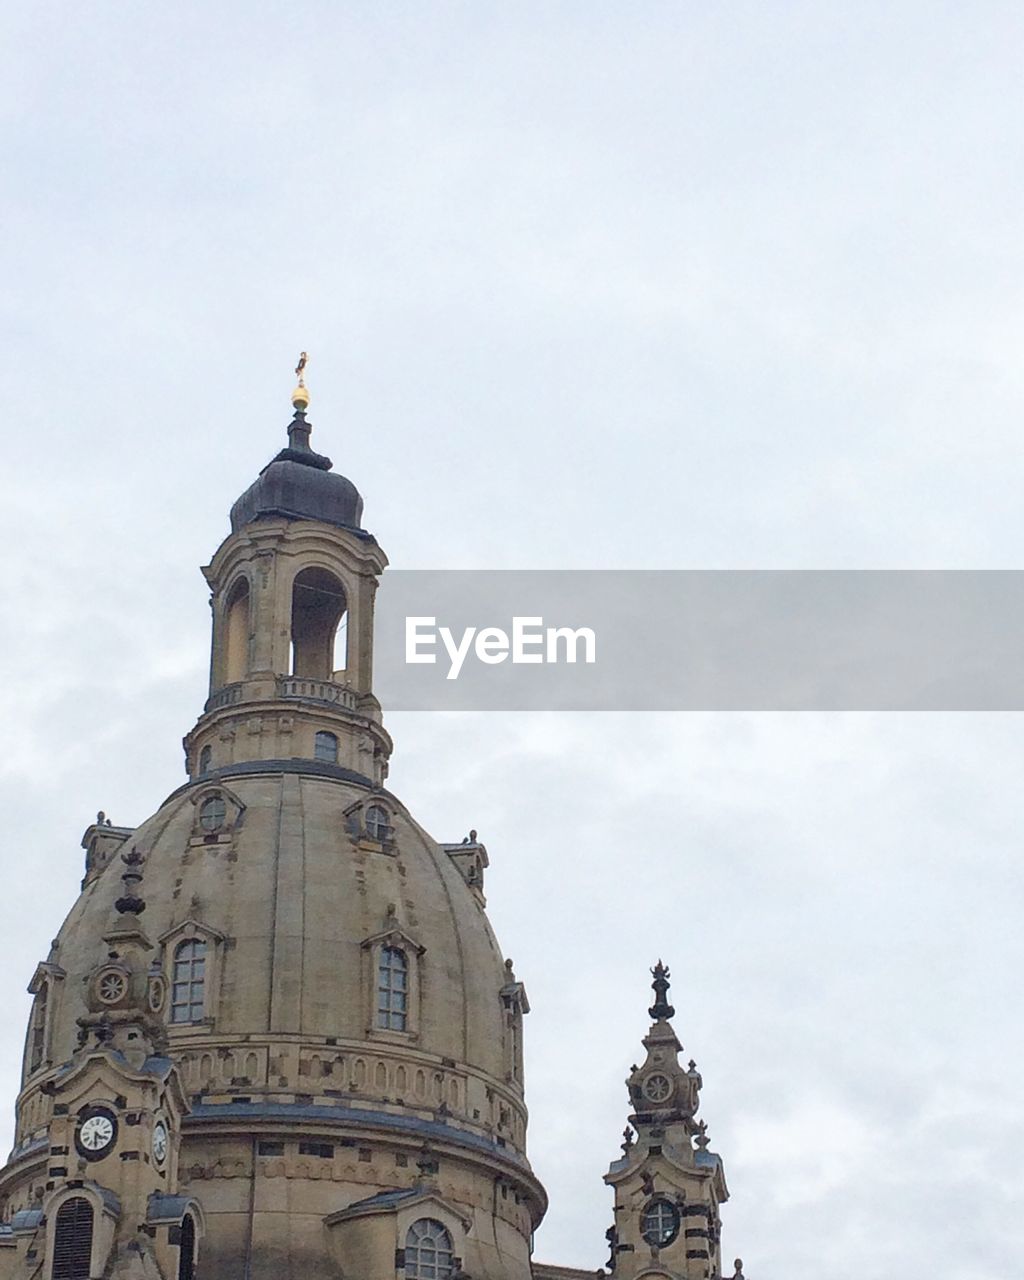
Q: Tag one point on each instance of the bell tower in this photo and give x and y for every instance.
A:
(668, 1186)
(108, 1200)
(292, 597)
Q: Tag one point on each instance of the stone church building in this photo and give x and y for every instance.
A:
(276, 1037)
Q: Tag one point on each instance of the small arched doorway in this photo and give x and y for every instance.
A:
(187, 1249)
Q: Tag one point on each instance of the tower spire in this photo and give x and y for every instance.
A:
(668, 1186)
(661, 1009)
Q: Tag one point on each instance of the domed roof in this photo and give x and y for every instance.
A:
(299, 485)
(300, 896)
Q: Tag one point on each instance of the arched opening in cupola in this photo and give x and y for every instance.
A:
(319, 625)
(236, 629)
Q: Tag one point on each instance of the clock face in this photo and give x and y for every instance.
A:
(96, 1134)
(159, 1142)
(657, 1088)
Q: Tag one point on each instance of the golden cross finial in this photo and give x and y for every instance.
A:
(300, 396)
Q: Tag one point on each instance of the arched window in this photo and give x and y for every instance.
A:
(659, 1224)
(325, 748)
(236, 633)
(188, 985)
(37, 1034)
(72, 1240)
(205, 760)
(377, 825)
(187, 1249)
(318, 606)
(392, 989)
(428, 1251)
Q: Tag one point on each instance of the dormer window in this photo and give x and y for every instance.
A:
(188, 983)
(216, 814)
(392, 989)
(212, 813)
(378, 825)
(325, 748)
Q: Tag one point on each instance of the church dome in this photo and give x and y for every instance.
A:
(299, 485)
(308, 872)
(288, 1022)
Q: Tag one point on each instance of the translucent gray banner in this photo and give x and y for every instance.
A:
(700, 641)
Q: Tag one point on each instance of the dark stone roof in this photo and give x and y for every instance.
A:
(306, 768)
(299, 485)
(167, 1208)
(357, 1117)
(384, 1198)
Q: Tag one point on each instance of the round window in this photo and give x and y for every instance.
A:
(212, 813)
(112, 986)
(657, 1088)
(660, 1223)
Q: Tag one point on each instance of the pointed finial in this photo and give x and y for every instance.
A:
(627, 1133)
(702, 1138)
(130, 902)
(738, 1264)
(661, 1008)
(300, 396)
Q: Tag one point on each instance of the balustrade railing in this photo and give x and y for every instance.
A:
(224, 697)
(339, 695)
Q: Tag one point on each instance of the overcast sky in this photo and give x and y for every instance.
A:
(583, 285)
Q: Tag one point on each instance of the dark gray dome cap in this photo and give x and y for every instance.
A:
(299, 485)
